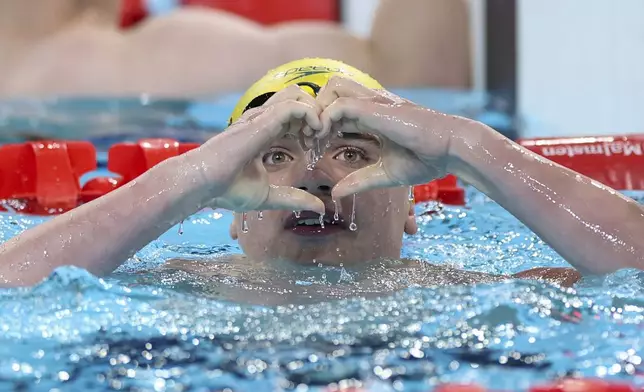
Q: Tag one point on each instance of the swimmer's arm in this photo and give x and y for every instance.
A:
(594, 228)
(565, 277)
(101, 235)
(432, 274)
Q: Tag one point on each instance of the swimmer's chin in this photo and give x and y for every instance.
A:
(350, 264)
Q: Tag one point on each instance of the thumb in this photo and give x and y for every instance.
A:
(289, 198)
(370, 177)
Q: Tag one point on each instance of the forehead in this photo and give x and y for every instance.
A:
(346, 137)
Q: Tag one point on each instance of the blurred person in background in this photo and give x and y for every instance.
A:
(76, 48)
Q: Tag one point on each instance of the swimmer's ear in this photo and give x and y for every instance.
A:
(233, 228)
(411, 227)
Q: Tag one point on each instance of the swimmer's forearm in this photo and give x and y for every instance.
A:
(594, 228)
(101, 235)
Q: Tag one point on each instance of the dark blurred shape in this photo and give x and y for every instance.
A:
(501, 62)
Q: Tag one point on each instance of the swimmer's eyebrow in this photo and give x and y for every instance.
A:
(367, 137)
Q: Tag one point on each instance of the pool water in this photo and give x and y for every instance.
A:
(151, 328)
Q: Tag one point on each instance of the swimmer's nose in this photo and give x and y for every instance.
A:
(316, 184)
(324, 189)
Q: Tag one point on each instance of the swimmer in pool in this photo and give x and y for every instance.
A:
(388, 144)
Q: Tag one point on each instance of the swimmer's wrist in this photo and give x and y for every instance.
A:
(194, 172)
(461, 140)
(466, 155)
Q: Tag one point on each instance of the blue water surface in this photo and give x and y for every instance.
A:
(139, 330)
(144, 328)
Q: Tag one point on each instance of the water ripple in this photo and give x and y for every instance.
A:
(144, 328)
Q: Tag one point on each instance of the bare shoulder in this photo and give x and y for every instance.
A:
(190, 20)
(196, 52)
(444, 274)
(559, 275)
(427, 274)
(206, 267)
(84, 61)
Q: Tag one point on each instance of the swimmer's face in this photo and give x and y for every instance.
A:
(381, 215)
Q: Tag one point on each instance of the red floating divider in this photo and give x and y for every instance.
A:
(446, 190)
(584, 385)
(449, 192)
(97, 187)
(130, 160)
(565, 385)
(616, 161)
(44, 176)
(275, 11)
(426, 192)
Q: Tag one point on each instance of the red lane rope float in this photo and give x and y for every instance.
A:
(43, 177)
(565, 385)
(615, 161)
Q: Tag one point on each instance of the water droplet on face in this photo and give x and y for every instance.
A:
(244, 223)
(411, 193)
(322, 221)
(336, 215)
(353, 226)
(297, 214)
(313, 156)
(340, 134)
(309, 159)
(181, 228)
(260, 215)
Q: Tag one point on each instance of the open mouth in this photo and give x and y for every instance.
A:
(308, 223)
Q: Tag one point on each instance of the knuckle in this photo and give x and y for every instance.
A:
(343, 102)
(336, 80)
(251, 114)
(288, 89)
(292, 104)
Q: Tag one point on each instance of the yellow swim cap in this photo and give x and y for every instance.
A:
(310, 73)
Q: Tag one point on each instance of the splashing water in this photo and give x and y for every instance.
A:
(321, 221)
(336, 214)
(353, 226)
(147, 328)
(260, 215)
(297, 214)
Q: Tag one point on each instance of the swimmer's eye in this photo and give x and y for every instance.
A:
(350, 155)
(276, 157)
